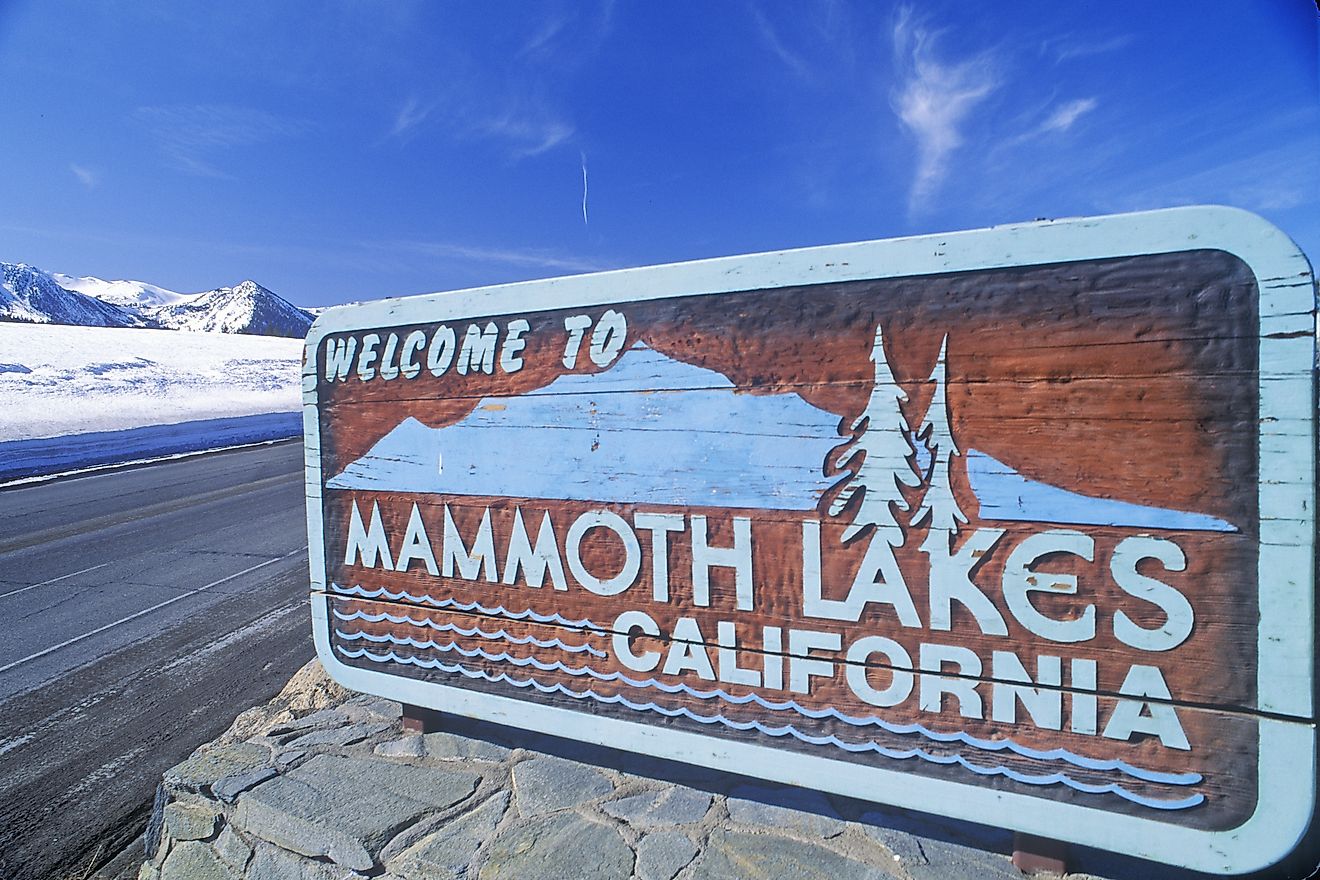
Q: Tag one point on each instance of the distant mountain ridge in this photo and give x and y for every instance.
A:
(28, 294)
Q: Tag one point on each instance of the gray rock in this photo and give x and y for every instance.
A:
(348, 809)
(285, 760)
(338, 736)
(900, 843)
(146, 872)
(557, 847)
(230, 787)
(190, 821)
(448, 746)
(924, 858)
(366, 705)
(208, 764)
(273, 863)
(323, 718)
(153, 833)
(408, 747)
(233, 849)
(446, 853)
(794, 810)
(662, 855)
(444, 746)
(735, 855)
(191, 860)
(546, 784)
(677, 805)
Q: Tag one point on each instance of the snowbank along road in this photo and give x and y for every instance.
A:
(143, 609)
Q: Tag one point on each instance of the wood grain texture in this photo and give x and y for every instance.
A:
(1002, 528)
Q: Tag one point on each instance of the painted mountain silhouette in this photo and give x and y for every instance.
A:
(691, 439)
(684, 437)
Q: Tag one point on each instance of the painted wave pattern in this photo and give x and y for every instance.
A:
(497, 611)
(964, 738)
(475, 631)
(760, 727)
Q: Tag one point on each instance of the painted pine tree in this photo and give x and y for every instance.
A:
(882, 437)
(938, 504)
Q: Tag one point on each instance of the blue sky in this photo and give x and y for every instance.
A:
(337, 151)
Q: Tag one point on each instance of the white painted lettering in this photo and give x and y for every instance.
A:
(510, 360)
(478, 351)
(1020, 581)
(1043, 703)
(951, 580)
(1178, 616)
(687, 651)
(441, 353)
(367, 357)
(857, 673)
(621, 641)
(961, 686)
(738, 557)
(533, 562)
(632, 552)
(802, 667)
(416, 545)
(482, 558)
(659, 525)
(576, 325)
(727, 658)
(1158, 718)
(339, 358)
(608, 337)
(389, 370)
(368, 545)
(408, 365)
(878, 580)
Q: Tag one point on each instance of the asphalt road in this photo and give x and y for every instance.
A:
(142, 609)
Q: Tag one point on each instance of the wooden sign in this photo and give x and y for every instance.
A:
(1013, 525)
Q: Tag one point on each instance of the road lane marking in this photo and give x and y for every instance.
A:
(52, 580)
(100, 629)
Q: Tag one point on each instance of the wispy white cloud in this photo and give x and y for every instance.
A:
(1067, 50)
(933, 100)
(529, 133)
(190, 135)
(541, 39)
(1065, 115)
(1059, 121)
(410, 115)
(770, 37)
(86, 176)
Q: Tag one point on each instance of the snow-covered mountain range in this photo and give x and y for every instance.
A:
(30, 295)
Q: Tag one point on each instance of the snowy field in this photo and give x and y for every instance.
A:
(57, 381)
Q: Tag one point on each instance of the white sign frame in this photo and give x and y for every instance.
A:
(1286, 489)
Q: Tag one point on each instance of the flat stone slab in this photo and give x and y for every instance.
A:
(924, 858)
(446, 853)
(547, 784)
(663, 854)
(230, 787)
(338, 736)
(271, 863)
(561, 846)
(448, 746)
(190, 821)
(191, 860)
(793, 810)
(735, 855)
(651, 809)
(346, 809)
(199, 770)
